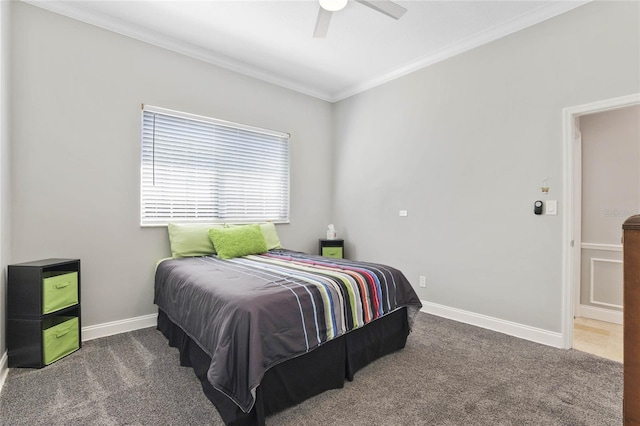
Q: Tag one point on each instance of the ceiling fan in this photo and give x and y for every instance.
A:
(327, 7)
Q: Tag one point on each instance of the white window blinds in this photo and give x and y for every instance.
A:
(198, 169)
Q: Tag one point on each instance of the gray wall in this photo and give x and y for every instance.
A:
(463, 145)
(5, 120)
(610, 173)
(76, 151)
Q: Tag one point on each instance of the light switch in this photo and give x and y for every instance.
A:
(551, 207)
(403, 213)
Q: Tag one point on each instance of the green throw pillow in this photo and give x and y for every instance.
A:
(270, 234)
(238, 241)
(189, 240)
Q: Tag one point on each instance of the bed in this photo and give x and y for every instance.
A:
(266, 331)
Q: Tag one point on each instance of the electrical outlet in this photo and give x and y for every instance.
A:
(423, 281)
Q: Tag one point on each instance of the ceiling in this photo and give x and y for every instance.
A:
(273, 40)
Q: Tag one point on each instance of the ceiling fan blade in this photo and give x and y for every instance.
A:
(322, 23)
(387, 7)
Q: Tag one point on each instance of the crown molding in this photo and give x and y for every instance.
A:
(529, 19)
(69, 9)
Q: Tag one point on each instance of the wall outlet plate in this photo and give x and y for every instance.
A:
(551, 207)
(423, 281)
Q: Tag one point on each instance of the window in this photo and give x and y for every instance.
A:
(199, 169)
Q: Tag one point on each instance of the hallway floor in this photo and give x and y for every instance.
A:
(600, 338)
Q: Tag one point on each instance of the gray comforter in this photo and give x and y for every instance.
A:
(251, 313)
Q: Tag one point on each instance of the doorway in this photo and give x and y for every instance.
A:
(609, 194)
(608, 145)
(574, 301)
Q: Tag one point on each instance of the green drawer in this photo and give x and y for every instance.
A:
(332, 252)
(59, 292)
(60, 339)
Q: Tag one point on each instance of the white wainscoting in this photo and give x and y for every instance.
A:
(592, 282)
(600, 314)
(521, 331)
(603, 247)
(603, 267)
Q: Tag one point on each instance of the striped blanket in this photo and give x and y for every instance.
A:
(251, 313)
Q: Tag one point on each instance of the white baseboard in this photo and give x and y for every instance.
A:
(507, 327)
(538, 335)
(4, 369)
(116, 327)
(600, 314)
(94, 332)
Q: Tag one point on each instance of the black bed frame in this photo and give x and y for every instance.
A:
(298, 379)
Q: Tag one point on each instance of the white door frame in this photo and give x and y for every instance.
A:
(571, 218)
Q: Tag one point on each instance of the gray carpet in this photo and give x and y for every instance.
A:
(449, 374)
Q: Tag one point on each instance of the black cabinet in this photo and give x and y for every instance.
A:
(43, 311)
(332, 248)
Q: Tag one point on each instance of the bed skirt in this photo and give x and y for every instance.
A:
(298, 379)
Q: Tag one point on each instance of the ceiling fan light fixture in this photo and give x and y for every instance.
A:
(333, 5)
